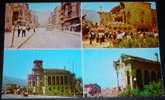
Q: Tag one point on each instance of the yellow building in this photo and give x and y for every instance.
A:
(129, 16)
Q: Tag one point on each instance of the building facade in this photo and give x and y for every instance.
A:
(57, 82)
(129, 16)
(71, 16)
(56, 18)
(135, 72)
(92, 90)
(16, 13)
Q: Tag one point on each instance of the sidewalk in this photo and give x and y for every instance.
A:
(71, 32)
(18, 41)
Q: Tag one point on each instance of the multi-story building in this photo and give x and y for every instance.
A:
(53, 81)
(129, 16)
(16, 13)
(71, 16)
(34, 19)
(135, 72)
(56, 18)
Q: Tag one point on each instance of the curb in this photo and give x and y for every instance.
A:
(19, 45)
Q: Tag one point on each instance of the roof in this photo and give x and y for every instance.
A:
(140, 59)
(54, 70)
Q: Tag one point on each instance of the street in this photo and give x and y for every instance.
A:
(43, 38)
(7, 96)
(53, 39)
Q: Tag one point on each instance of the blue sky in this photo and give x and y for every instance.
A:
(43, 6)
(19, 63)
(98, 64)
(106, 6)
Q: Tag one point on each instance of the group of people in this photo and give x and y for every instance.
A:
(23, 29)
(124, 39)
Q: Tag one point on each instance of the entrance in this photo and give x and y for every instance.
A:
(15, 16)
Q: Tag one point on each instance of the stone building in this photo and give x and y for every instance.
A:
(16, 13)
(129, 16)
(92, 90)
(136, 72)
(34, 19)
(58, 82)
(56, 18)
(71, 16)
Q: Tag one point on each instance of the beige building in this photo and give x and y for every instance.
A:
(16, 13)
(136, 72)
(56, 18)
(129, 16)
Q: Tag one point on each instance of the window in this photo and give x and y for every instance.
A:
(57, 80)
(153, 76)
(66, 80)
(53, 80)
(139, 78)
(146, 77)
(159, 75)
(49, 80)
(128, 78)
(62, 81)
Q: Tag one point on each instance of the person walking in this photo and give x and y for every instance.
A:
(18, 30)
(23, 31)
(92, 36)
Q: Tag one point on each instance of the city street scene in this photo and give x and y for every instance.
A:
(42, 74)
(122, 72)
(119, 25)
(43, 25)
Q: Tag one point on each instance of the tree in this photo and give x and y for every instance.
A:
(152, 89)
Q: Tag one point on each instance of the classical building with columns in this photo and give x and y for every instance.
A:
(56, 82)
(16, 13)
(135, 72)
(130, 16)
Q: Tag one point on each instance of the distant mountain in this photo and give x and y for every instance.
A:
(91, 15)
(12, 80)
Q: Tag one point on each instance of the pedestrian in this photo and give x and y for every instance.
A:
(34, 29)
(18, 30)
(92, 36)
(23, 31)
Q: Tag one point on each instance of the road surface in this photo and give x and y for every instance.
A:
(53, 39)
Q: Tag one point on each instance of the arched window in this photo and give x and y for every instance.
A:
(158, 75)
(128, 78)
(139, 78)
(57, 80)
(153, 76)
(49, 80)
(62, 81)
(53, 80)
(146, 77)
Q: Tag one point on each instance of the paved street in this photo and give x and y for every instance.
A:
(53, 39)
(31, 96)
